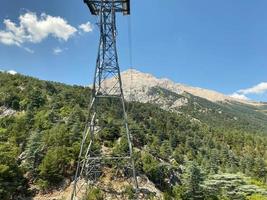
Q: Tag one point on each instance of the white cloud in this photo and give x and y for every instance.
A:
(34, 29)
(257, 89)
(260, 88)
(57, 51)
(239, 96)
(87, 27)
(12, 72)
(8, 38)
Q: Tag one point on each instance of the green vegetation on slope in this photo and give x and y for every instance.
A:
(40, 143)
(232, 115)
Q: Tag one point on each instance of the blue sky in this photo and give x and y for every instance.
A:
(219, 45)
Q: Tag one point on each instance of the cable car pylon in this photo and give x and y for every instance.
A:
(93, 159)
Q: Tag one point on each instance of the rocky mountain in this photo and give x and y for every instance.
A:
(205, 105)
(137, 84)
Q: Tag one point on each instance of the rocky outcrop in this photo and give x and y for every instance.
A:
(137, 85)
(145, 88)
(4, 111)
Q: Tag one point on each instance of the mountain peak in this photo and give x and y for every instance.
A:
(135, 80)
(137, 85)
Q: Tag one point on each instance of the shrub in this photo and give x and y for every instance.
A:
(130, 193)
(54, 165)
(94, 194)
(257, 197)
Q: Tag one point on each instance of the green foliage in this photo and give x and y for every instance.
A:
(43, 185)
(165, 150)
(122, 147)
(94, 194)
(193, 179)
(258, 183)
(179, 192)
(167, 196)
(151, 167)
(111, 133)
(43, 138)
(12, 181)
(54, 165)
(130, 193)
(35, 99)
(34, 151)
(257, 197)
(232, 186)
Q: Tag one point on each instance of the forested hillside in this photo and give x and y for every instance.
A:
(41, 125)
(208, 106)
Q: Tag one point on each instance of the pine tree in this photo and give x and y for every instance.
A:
(33, 151)
(193, 180)
(260, 169)
(214, 161)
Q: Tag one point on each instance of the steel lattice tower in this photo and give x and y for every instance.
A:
(90, 163)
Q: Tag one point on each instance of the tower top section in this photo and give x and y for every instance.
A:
(95, 6)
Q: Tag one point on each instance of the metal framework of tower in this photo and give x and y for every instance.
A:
(91, 164)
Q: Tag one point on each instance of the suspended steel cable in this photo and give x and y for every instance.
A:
(130, 55)
(130, 41)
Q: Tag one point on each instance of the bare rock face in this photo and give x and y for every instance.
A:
(4, 112)
(138, 84)
(145, 88)
(110, 188)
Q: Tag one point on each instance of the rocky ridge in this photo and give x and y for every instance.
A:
(142, 87)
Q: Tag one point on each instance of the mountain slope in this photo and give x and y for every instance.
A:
(213, 108)
(40, 140)
(136, 80)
